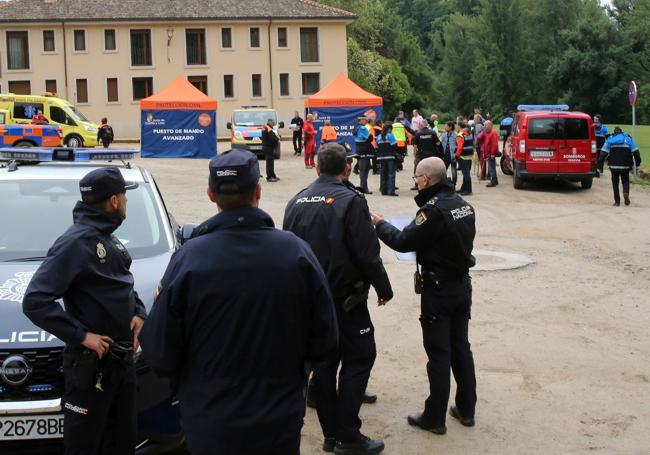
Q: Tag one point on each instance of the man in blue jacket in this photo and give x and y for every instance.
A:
(241, 311)
(622, 154)
(89, 268)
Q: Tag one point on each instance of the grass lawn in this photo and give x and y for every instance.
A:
(642, 140)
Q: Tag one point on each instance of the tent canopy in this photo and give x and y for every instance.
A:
(342, 92)
(180, 94)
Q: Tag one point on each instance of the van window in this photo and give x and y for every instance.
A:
(3, 120)
(573, 128)
(26, 110)
(541, 128)
(58, 115)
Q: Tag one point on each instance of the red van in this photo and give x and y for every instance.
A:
(550, 142)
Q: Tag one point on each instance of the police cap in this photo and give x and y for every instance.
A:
(236, 166)
(102, 183)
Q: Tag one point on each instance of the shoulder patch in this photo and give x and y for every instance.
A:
(420, 219)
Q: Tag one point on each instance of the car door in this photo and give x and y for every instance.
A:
(574, 145)
(541, 144)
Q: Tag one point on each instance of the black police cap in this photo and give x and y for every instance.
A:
(102, 183)
(236, 166)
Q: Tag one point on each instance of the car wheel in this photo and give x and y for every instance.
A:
(23, 144)
(586, 183)
(506, 165)
(517, 181)
(74, 141)
(276, 152)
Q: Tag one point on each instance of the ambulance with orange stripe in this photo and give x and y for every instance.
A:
(78, 131)
(18, 135)
(246, 127)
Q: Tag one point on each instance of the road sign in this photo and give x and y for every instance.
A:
(631, 93)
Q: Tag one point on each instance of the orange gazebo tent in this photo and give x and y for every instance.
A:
(342, 92)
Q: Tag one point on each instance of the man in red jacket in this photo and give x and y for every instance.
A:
(490, 148)
(310, 141)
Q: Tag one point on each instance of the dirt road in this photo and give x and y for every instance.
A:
(562, 347)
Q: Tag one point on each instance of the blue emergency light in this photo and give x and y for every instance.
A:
(543, 107)
(64, 154)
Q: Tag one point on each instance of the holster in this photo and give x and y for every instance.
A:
(359, 295)
(417, 282)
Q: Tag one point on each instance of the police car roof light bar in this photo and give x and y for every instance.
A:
(37, 155)
(543, 107)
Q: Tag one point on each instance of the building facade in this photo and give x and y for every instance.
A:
(106, 61)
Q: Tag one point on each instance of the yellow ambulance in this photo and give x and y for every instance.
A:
(78, 131)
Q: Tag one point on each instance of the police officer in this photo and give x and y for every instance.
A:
(442, 236)
(363, 149)
(622, 154)
(335, 221)
(270, 141)
(241, 310)
(601, 136)
(89, 268)
(428, 144)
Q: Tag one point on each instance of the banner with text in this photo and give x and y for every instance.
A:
(343, 119)
(178, 134)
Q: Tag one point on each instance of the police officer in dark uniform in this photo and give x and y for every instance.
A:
(427, 145)
(334, 219)
(270, 141)
(442, 236)
(89, 268)
(241, 311)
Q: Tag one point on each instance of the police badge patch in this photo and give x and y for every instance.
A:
(101, 252)
(421, 218)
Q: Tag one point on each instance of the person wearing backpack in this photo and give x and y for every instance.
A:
(105, 133)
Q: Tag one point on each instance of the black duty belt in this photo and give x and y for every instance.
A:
(430, 278)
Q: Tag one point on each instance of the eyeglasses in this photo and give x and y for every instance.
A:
(416, 177)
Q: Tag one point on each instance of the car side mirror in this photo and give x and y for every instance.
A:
(281, 125)
(184, 232)
(229, 125)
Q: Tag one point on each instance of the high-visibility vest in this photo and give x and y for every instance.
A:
(468, 145)
(400, 134)
(328, 134)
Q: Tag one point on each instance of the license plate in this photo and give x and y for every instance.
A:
(541, 154)
(31, 427)
(256, 147)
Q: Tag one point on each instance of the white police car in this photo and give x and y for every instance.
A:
(38, 189)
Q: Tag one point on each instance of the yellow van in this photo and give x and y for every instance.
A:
(78, 131)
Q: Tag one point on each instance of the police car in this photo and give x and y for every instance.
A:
(38, 189)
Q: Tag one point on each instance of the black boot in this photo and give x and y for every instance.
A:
(363, 446)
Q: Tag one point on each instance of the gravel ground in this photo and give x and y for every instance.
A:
(562, 347)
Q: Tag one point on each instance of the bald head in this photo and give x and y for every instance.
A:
(488, 125)
(434, 169)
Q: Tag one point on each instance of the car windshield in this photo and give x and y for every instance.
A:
(253, 118)
(76, 114)
(37, 212)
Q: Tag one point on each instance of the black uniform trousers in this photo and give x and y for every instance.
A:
(364, 171)
(100, 422)
(339, 414)
(445, 319)
(622, 175)
(297, 142)
(270, 163)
